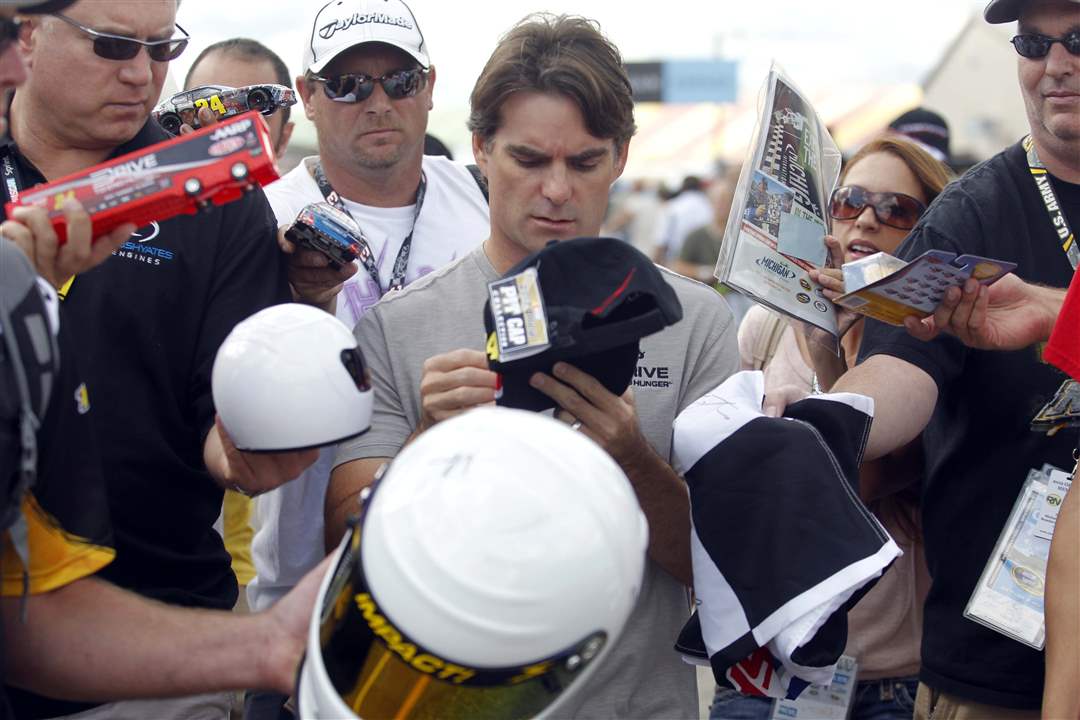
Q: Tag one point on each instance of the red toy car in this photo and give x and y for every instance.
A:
(217, 164)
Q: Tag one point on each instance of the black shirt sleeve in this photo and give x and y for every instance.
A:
(249, 274)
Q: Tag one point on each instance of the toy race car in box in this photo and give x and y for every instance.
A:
(322, 227)
(223, 100)
(215, 165)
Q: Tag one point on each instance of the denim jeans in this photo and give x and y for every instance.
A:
(886, 699)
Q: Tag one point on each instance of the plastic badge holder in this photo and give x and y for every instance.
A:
(1009, 595)
(887, 289)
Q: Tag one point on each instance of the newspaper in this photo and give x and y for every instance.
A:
(775, 233)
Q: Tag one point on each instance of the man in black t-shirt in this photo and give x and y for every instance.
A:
(64, 631)
(973, 405)
(147, 322)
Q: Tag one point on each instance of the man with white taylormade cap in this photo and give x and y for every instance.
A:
(367, 86)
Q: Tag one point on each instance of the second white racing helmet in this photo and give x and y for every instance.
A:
(291, 377)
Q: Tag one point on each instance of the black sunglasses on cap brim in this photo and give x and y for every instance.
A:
(118, 47)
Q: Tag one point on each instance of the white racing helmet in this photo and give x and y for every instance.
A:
(291, 377)
(492, 567)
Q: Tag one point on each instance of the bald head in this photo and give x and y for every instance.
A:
(239, 62)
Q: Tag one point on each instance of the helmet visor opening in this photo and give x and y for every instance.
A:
(353, 360)
(380, 672)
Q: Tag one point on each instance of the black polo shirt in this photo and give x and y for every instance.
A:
(979, 446)
(147, 324)
(66, 511)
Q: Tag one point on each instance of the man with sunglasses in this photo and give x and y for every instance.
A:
(148, 321)
(972, 404)
(367, 86)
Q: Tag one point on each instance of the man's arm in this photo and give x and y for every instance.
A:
(904, 398)
(612, 422)
(1061, 699)
(1009, 315)
(347, 481)
(92, 641)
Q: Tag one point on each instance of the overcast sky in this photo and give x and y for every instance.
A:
(818, 42)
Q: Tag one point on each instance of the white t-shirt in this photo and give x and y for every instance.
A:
(681, 216)
(453, 220)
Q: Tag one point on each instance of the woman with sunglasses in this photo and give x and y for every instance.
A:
(883, 191)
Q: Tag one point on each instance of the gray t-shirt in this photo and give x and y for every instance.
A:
(643, 677)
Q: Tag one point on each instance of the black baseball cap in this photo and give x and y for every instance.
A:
(600, 296)
(1003, 11)
(37, 8)
(926, 128)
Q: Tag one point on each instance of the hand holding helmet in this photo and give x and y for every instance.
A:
(289, 379)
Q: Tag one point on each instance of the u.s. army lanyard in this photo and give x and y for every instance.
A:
(367, 258)
(1068, 243)
(1053, 208)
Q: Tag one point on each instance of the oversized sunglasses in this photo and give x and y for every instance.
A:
(896, 210)
(10, 30)
(1034, 46)
(118, 47)
(354, 88)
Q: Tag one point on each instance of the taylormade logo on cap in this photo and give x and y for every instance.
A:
(327, 31)
(344, 24)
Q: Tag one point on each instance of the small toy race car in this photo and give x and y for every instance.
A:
(322, 227)
(225, 101)
(215, 165)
